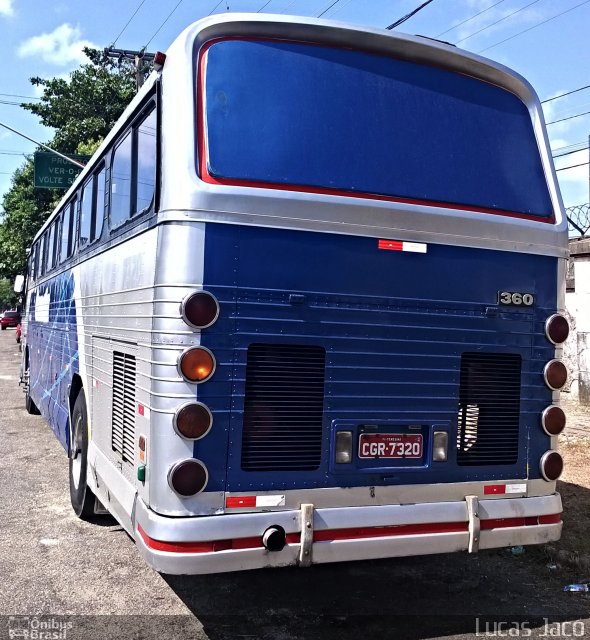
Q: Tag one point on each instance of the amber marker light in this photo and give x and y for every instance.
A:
(193, 421)
(188, 477)
(555, 374)
(553, 420)
(557, 328)
(196, 364)
(200, 309)
(551, 465)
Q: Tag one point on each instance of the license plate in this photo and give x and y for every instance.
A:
(390, 445)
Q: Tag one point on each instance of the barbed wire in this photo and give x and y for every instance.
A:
(578, 218)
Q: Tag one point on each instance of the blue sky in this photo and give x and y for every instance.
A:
(551, 50)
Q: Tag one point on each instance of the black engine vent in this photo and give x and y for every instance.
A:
(283, 408)
(489, 409)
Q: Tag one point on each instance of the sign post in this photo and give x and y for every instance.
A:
(54, 172)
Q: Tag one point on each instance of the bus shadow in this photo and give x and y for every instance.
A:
(414, 598)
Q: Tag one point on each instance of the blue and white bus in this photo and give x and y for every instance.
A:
(304, 304)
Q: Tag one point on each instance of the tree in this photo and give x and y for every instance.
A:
(82, 110)
(86, 106)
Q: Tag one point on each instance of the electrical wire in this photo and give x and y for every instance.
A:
(569, 153)
(442, 33)
(534, 26)
(573, 166)
(259, 10)
(570, 146)
(328, 9)
(16, 95)
(217, 6)
(163, 23)
(577, 115)
(128, 22)
(408, 15)
(561, 95)
(341, 7)
(493, 24)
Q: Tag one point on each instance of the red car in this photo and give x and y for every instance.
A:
(9, 319)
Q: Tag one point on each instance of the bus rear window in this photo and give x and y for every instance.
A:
(287, 114)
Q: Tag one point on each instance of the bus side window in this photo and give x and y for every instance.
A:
(100, 202)
(50, 248)
(121, 182)
(65, 234)
(146, 161)
(58, 225)
(86, 202)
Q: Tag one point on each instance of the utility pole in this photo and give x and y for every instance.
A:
(139, 59)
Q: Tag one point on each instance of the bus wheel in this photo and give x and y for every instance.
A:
(81, 496)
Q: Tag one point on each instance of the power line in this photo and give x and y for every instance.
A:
(442, 33)
(570, 146)
(219, 4)
(534, 26)
(16, 95)
(526, 6)
(128, 22)
(577, 115)
(569, 153)
(163, 23)
(328, 9)
(259, 10)
(341, 7)
(408, 15)
(567, 93)
(573, 166)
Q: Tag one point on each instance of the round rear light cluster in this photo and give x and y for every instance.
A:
(196, 364)
(200, 309)
(188, 477)
(553, 420)
(193, 421)
(555, 374)
(551, 465)
(557, 328)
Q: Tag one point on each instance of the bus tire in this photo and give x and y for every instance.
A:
(81, 496)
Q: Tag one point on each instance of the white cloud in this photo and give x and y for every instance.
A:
(63, 46)
(6, 8)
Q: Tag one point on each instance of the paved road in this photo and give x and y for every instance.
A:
(78, 574)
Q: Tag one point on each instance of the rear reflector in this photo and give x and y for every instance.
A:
(399, 245)
(253, 502)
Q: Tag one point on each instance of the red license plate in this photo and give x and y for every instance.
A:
(390, 445)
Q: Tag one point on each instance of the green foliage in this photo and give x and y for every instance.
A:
(26, 209)
(8, 298)
(82, 110)
(86, 106)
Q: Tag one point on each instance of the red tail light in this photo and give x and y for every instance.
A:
(551, 465)
(557, 328)
(188, 477)
(200, 310)
(553, 420)
(555, 374)
(193, 421)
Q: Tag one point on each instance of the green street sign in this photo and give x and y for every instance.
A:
(53, 172)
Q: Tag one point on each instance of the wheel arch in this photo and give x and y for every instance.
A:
(75, 387)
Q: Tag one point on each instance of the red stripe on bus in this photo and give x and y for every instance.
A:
(389, 531)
